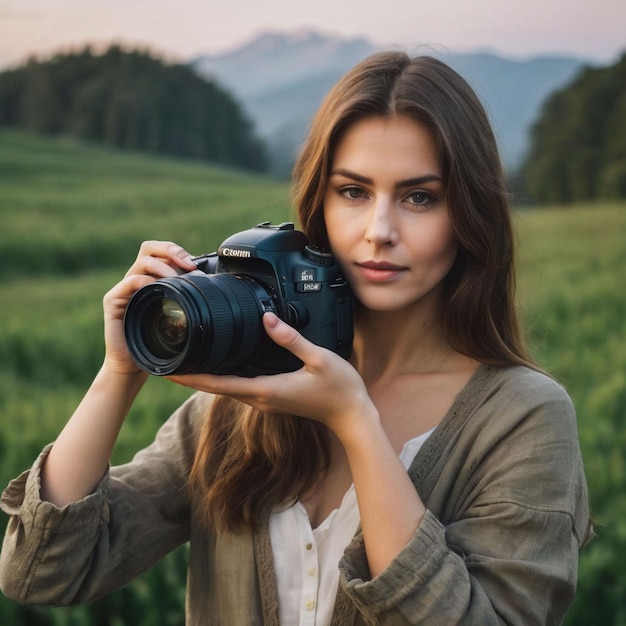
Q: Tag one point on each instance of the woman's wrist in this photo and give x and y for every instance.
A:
(359, 426)
(121, 373)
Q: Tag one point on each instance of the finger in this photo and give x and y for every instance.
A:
(173, 254)
(211, 383)
(116, 299)
(153, 266)
(182, 258)
(128, 285)
(253, 391)
(289, 338)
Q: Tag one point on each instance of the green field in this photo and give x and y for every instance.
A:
(72, 218)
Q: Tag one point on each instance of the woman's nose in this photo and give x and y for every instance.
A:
(381, 227)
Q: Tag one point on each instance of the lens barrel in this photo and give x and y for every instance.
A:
(198, 323)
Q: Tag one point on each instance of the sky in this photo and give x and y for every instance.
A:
(591, 29)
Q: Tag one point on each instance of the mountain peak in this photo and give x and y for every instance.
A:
(285, 57)
(300, 36)
(273, 43)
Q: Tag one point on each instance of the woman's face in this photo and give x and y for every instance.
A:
(386, 213)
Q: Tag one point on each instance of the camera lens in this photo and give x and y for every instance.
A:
(165, 328)
(198, 323)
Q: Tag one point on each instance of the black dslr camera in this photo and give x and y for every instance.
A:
(209, 320)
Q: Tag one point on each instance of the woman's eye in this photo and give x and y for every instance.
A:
(421, 198)
(352, 192)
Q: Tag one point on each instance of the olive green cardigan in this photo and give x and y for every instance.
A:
(502, 478)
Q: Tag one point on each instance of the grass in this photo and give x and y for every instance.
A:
(72, 219)
(572, 278)
(68, 207)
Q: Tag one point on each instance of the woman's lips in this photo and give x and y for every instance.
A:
(379, 272)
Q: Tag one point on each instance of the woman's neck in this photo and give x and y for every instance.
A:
(388, 344)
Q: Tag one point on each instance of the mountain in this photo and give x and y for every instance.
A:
(514, 91)
(280, 79)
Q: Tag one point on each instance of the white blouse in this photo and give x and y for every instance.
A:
(306, 559)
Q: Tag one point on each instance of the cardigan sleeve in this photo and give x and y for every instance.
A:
(433, 582)
(511, 515)
(138, 513)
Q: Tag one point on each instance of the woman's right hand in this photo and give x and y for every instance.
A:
(156, 259)
(81, 452)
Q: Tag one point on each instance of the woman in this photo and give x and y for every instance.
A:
(294, 491)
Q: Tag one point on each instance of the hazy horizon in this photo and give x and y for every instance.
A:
(517, 29)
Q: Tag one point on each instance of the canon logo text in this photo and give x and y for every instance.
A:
(235, 252)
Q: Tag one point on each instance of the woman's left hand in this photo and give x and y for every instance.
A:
(327, 388)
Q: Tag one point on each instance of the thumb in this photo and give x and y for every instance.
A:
(286, 336)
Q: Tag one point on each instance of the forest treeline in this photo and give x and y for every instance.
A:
(130, 99)
(578, 144)
(133, 100)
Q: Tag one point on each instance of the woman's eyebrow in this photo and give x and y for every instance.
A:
(353, 175)
(409, 182)
(419, 180)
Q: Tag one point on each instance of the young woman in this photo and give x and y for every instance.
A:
(434, 478)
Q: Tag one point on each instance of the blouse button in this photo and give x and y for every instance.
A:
(309, 546)
(310, 605)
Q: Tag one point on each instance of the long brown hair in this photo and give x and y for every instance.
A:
(479, 313)
(248, 462)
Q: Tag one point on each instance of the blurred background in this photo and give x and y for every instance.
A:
(135, 120)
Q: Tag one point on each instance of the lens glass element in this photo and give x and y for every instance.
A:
(165, 329)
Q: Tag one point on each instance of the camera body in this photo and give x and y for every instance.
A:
(209, 320)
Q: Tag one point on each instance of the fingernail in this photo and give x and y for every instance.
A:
(271, 319)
